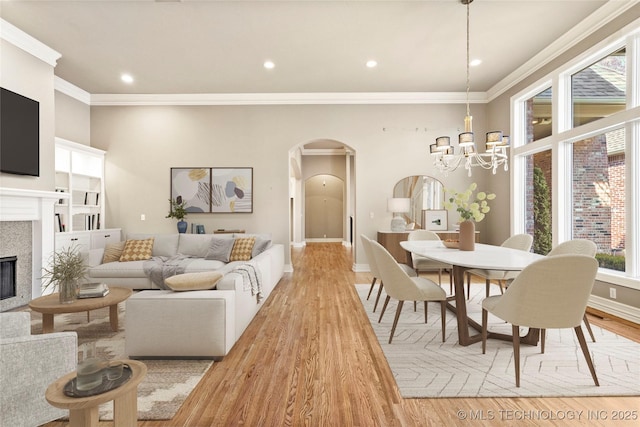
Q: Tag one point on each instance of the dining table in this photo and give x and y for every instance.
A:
(485, 257)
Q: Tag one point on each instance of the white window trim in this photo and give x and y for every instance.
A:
(563, 135)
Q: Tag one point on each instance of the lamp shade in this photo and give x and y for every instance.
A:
(399, 205)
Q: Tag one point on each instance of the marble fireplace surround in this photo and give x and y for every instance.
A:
(36, 207)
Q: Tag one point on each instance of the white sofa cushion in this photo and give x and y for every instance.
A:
(119, 269)
(195, 245)
(163, 245)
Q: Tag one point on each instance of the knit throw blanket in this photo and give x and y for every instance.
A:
(159, 268)
(251, 279)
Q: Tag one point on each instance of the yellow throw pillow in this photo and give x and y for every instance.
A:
(112, 252)
(137, 250)
(193, 281)
(242, 248)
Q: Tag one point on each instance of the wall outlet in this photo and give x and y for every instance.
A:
(612, 293)
(143, 217)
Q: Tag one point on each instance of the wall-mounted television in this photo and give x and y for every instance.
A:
(19, 134)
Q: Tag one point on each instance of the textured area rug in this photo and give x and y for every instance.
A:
(424, 366)
(168, 382)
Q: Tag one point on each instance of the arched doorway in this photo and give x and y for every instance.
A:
(327, 166)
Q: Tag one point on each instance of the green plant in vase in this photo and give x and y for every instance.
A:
(471, 210)
(66, 268)
(178, 211)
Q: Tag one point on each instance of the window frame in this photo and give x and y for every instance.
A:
(561, 140)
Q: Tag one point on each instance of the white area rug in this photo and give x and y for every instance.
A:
(424, 366)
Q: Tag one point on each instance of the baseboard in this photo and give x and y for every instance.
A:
(613, 308)
(361, 268)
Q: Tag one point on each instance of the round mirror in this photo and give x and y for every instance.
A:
(425, 192)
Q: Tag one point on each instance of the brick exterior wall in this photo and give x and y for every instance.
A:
(616, 180)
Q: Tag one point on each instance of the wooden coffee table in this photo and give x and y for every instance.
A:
(83, 411)
(49, 305)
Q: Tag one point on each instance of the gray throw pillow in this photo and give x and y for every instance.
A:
(260, 246)
(220, 249)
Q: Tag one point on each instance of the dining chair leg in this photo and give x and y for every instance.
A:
(488, 285)
(395, 320)
(425, 312)
(543, 337)
(443, 315)
(485, 316)
(501, 287)
(384, 307)
(585, 351)
(588, 325)
(440, 276)
(415, 306)
(378, 296)
(515, 331)
(373, 283)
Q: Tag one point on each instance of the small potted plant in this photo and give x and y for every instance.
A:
(65, 270)
(178, 212)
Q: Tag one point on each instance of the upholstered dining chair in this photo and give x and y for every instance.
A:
(399, 285)
(421, 263)
(576, 247)
(373, 266)
(551, 293)
(517, 241)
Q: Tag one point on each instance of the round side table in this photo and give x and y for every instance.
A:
(83, 411)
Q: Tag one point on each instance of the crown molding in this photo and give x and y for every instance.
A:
(335, 98)
(595, 21)
(71, 90)
(29, 44)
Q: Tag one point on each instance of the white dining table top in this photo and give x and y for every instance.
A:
(486, 257)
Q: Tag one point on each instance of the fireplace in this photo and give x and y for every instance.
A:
(27, 233)
(8, 277)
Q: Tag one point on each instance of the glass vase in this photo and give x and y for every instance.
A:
(68, 292)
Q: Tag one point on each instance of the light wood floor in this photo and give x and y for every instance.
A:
(310, 358)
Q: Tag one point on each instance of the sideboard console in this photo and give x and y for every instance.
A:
(391, 241)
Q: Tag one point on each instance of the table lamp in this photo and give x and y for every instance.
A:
(398, 206)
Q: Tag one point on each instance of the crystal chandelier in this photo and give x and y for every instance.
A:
(444, 158)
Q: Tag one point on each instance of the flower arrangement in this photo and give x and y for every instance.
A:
(470, 209)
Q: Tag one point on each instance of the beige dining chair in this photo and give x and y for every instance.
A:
(551, 293)
(576, 247)
(421, 263)
(517, 241)
(399, 285)
(373, 267)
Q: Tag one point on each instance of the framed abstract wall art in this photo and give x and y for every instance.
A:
(213, 190)
(193, 186)
(231, 190)
(435, 219)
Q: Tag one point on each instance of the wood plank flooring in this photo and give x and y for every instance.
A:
(310, 358)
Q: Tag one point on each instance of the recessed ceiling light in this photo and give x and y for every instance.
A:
(127, 78)
(372, 64)
(269, 65)
(475, 62)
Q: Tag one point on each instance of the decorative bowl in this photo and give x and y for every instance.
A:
(451, 244)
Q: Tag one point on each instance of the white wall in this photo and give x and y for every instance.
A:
(143, 143)
(73, 119)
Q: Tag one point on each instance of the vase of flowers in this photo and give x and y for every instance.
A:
(471, 209)
(65, 270)
(178, 211)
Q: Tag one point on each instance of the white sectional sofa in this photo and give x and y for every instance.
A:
(195, 324)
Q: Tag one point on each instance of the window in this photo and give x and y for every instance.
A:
(539, 119)
(598, 196)
(588, 166)
(538, 221)
(600, 89)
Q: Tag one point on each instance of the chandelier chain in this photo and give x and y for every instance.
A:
(468, 59)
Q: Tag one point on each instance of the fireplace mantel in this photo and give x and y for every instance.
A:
(38, 207)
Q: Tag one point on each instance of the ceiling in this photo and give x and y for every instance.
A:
(219, 47)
